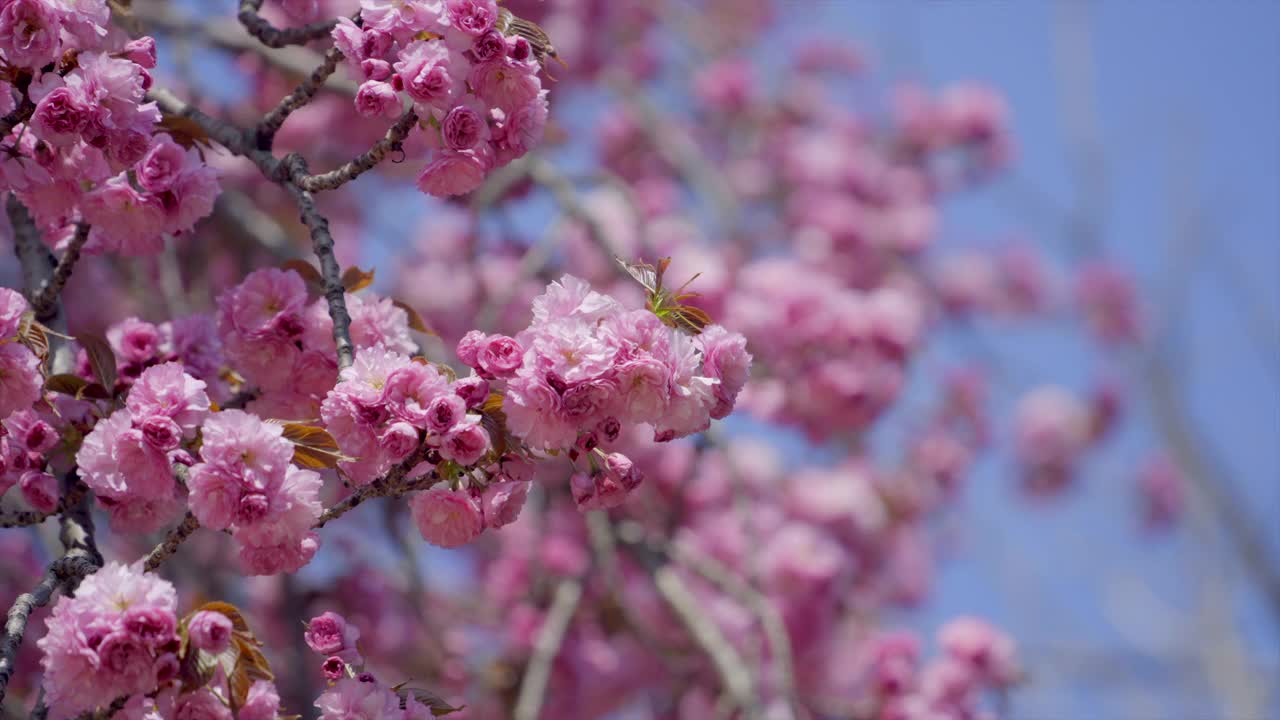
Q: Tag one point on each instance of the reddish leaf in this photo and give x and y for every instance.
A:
(313, 447)
(101, 359)
(310, 275)
(355, 279)
(415, 320)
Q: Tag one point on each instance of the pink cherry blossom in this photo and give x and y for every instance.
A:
(446, 518)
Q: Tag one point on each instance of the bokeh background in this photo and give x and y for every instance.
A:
(1144, 133)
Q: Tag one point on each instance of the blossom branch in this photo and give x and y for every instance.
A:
(34, 257)
(80, 559)
(275, 37)
(26, 518)
(338, 177)
(335, 293)
(172, 540)
(389, 485)
(48, 294)
(271, 123)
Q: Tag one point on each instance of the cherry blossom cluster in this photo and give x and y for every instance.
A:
(246, 483)
(120, 637)
(476, 90)
(191, 341)
(837, 356)
(25, 436)
(353, 692)
(1054, 428)
(127, 459)
(116, 637)
(387, 404)
(281, 341)
(87, 147)
(587, 366)
(974, 657)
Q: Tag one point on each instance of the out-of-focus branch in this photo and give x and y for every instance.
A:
(1209, 480)
(681, 151)
(545, 648)
(734, 674)
(770, 620)
(275, 37)
(48, 293)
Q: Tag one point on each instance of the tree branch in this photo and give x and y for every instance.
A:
(275, 37)
(265, 133)
(533, 687)
(172, 540)
(80, 558)
(52, 288)
(391, 484)
(340, 176)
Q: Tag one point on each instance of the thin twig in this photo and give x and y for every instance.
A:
(335, 293)
(390, 142)
(388, 485)
(52, 288)
(545, 648)
(271, 123)
(172, 540)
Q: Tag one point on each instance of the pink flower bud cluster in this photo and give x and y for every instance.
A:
(476, 91)
(281, 342)
(836, 356)
(352, 692)
(246, 483)
(1052, 431)
(386, 405)
(974, 657)
(1011, 284)
(25, 439)
(1108, 300)
(116, 637)
(88, 152)
(190, 340)
(586, 367)
(968, 117)
(20, 378)
(127, 458)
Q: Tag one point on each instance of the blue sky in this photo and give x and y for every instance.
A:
(1188, 106)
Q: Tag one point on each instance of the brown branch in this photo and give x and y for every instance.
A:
(275, 37)
(172, 540)
(80, 558)
(336, 178)
(546, 646)
(228, 34)
(389, 485)
(52, 288)
(265, 133)
(335, 293)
